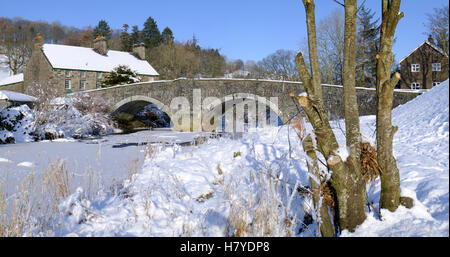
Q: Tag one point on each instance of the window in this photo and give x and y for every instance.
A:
(415, 85)
(436, 83)
(67, 72)
(436, 66)
(415, 67)
(82, 74)
(67, 84)
(98, 85)
(82, 84)
(99, 75)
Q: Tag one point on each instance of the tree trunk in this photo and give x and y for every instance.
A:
(345, 180)
(390, 177)
(352, 130)
(326, 228)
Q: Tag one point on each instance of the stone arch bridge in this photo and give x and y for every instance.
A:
(213, 94)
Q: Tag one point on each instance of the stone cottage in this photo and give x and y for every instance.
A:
(424, 67)
(73, 68)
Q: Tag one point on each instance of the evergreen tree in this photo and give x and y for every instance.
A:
(167, 35)
(135, 36)
(367, 48)
(125, 39)
(120, 75)
(150, 33)
(102, 29)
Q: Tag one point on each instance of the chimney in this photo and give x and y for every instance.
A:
(38, 42)
(139, 50)
(100, 45)
(430, 39)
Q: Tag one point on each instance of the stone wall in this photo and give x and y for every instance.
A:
(161, 93)
(16, 87)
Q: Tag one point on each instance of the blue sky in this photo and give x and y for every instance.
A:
(245, 29)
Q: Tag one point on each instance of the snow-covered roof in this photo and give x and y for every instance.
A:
(12, 79)
(83, 58)
(15, 97)
(435, 47)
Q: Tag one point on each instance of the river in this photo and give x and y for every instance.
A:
(106, 160)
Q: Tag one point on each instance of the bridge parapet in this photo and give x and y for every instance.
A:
(167, 94)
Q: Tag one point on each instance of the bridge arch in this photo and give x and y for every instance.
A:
(133, 104)
(256, 106)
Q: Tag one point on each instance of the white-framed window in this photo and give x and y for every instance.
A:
(67, 73)
(67, 84)
(415, 85)
(99, 75)
(82, 84)
(436, 83)
(98, 84)
(436, 66)
(82, 74)
(415, 67)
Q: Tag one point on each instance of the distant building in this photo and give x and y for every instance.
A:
(73, 68)
(424, 67)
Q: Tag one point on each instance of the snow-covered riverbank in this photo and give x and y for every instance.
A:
(224, 187)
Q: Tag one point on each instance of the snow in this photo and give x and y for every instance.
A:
(15, 96)
(20, 120)
(4, 69)
(83, 58)
(26, 164)
(4, 160)
(199, 190)
(421, 148)
(12, 79)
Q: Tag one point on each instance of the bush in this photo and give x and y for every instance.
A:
(122, 74)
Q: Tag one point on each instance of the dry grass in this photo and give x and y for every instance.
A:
(13, 221)
(57, 182)
(261, 213)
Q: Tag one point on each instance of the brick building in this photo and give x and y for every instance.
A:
(424, 67)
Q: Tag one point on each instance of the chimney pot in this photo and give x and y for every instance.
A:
(38, 41)
(430, 39)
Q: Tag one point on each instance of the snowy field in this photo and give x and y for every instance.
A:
(223, 187)
(137, 186)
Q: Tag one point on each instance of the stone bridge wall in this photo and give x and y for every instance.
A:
(164, 91)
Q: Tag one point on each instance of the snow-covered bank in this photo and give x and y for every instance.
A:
(248, 187)
(421, 147)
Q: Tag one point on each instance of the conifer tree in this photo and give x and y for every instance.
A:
(102, 29)
(125, 39)
(135, 36)
(367, 48)
(167, 35)
(151, 35)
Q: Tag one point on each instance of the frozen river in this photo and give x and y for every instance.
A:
(109, 158)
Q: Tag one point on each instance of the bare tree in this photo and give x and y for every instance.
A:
(279, 65)
(330, 46)
(437, 26)
(346, 179)
(16, 44)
